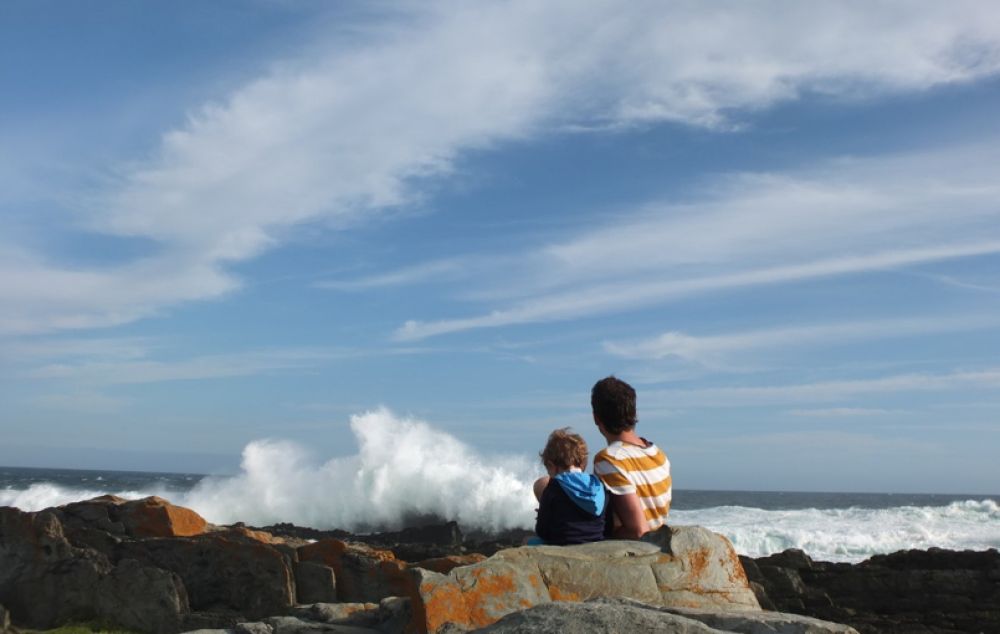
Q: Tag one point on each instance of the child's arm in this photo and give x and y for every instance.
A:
(539, 486)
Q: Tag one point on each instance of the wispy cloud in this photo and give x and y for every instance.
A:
(350, 130)
(715, 350)
(425, 271)
(841, 412)
(637, 294)
(821, 391)
(104, 371)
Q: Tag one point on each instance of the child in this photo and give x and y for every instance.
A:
(571, 504)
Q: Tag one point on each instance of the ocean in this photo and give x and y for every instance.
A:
(828, 526)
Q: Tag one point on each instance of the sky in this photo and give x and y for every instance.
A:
(232, 221)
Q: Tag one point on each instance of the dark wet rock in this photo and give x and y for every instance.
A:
(224, 569)
(315, 582)
(934, 591)
(46, 581)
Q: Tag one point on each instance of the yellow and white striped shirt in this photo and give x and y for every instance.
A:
(625, 468)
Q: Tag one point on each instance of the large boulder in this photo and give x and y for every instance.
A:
(224, 569)
(930, 591)
(473, 596)
(615, 616)
(46, 581)
(156, 517)
(148, 517)
(681, 566)
(363, 574)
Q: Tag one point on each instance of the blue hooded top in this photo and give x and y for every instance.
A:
(572, 509)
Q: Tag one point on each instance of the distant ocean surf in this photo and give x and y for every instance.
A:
(405, 468)
(827, 526)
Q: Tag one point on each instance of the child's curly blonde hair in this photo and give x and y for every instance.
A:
(565, 449)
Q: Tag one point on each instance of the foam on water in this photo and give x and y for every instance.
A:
(852, 534)
(43, 495)
(403, 468)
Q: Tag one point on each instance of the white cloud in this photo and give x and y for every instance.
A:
(644, 292)
(716, 349)
(840, 412)
(108, 369)
(822, 391)
(422, 272)
(350, 130)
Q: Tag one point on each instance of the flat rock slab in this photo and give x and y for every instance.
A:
(595, 618)
(618, 616)
(764, 622)
(686, 566)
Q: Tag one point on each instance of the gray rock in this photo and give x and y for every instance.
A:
(353, 613)
(764, 622)
(253, 628)
(4, 620)
(296, 625)
(622, 615)
(45, 581)
(595, 617)
(683, 566)
(209, 631)
(394, 614)
(315, 582)
(223, 569)
(142, 598)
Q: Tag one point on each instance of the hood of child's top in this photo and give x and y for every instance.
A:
(585, 489)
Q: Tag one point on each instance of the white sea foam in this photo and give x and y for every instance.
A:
(403, 467)
(43, 495)
(852, 534)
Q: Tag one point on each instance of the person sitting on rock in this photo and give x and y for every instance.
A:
(634, 470)
(572, 504)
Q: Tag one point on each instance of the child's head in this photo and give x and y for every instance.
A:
(564, 450)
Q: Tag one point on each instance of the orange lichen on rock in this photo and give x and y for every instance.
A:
(698, 561)
(560, 595)
(156, 517)
(436, 601)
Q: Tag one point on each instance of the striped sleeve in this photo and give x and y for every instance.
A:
(613, 474)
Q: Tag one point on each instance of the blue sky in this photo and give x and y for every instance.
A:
(240, 220)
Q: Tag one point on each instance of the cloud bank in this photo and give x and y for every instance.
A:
(352, 129)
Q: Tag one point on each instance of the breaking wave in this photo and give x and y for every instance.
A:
(403, 469)
(852, 534)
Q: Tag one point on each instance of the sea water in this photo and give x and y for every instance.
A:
(406, 468)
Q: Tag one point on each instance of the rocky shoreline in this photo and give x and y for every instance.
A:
(154, 567)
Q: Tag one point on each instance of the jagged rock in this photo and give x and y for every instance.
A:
(226, 568)
(363, 574)
(295, 625)
(391, 615)
(156, 517)
(46, 581)
(334, 612)
(932, 591)
(474, 596)
(315, 582)
(253, 628)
